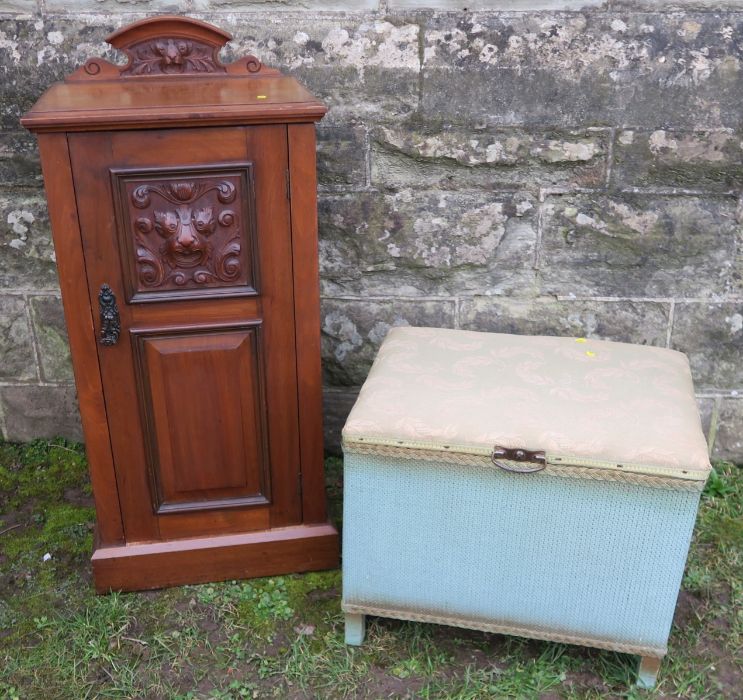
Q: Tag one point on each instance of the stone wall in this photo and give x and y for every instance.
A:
(571, 169)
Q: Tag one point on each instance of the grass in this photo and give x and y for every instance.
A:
(283, 636)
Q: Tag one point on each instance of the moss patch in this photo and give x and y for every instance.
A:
(40, 472)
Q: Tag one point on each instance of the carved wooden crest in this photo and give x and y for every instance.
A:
(186, 231)
(168, 46)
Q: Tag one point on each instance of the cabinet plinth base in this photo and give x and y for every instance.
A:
(144, 566)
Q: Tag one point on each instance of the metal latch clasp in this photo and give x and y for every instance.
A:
(510, 460)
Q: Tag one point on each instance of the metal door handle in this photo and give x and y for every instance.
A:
(110, 321)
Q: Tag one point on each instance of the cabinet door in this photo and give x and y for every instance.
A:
(190, 230)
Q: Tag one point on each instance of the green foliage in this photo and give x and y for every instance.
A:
(257, 604)
(40, 471)
(55, 530)
(282, 636)
(718, 485)
(720, 522)
(9, 692)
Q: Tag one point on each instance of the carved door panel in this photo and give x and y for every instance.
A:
(190, 230)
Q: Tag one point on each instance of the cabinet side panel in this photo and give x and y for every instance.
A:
(303, 179)
(60, 192)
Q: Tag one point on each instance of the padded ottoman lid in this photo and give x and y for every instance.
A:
(584, 403)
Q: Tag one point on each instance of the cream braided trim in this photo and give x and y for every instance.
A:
(473, 624)
(569, 471)
(555, 459)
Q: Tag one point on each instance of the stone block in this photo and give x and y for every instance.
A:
(352, 331)
(361, 67)
(427, 243)
(19, 160)
(337, 404)
(32, 412)
(17, 357)
(729, 442)
(118, 6)
(706, 160)
(499, 5)
(209, 6)
(638, 246)
(711, 334)
(657, 70)
(407, 155)
(677, 5)
(26, 251)
(19, 6)
(516, 69)
(706, 406)
(341, 157)
(51, 336)
(38, 52)
(645, 323)
(343, 92)
(686, 73)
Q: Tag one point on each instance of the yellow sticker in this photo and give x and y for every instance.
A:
(590, 353)
(581, 340)
(261, 97)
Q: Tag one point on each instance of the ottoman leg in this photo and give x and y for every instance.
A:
(648, 671)
(355, 629)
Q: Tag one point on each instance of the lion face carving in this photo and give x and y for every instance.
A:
(172, 52)
(185, 232)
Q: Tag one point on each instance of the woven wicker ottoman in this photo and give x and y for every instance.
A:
(536, 486)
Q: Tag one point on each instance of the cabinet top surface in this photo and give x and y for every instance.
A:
(176, 102)
(173, 77)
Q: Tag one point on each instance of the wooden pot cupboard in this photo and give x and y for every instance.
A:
(182, 198)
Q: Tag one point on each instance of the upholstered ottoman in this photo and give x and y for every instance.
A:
(536, 486)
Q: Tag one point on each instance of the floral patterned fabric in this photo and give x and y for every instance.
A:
(581, 401)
